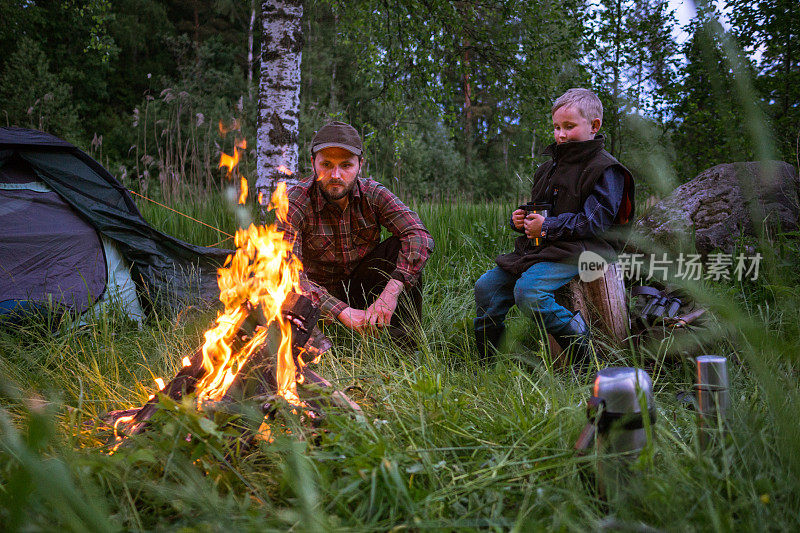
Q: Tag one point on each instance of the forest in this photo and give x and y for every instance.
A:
(450, 97)
(453, 103)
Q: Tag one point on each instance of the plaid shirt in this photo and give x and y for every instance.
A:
(330, 242)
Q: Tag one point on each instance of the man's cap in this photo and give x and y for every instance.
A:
(337, 134)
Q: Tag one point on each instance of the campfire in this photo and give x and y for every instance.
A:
(260, 346)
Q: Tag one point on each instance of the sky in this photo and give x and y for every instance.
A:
(685, 11)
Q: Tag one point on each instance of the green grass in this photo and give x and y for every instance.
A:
(447, 444)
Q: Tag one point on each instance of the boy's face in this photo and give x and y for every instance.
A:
(570, 125)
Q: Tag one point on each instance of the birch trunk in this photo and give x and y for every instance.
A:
(279, 94)
(250, 31)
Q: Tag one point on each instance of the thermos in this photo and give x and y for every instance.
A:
(712, 394)
(616, 422)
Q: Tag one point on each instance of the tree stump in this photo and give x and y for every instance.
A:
(603, 303)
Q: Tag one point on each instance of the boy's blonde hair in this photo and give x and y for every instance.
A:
(585, 101)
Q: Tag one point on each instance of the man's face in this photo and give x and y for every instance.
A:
(336, 170)
(570, 125)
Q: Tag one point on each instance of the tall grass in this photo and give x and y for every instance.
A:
(447, 444)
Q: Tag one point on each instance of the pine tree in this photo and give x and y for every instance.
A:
(710, 126)
(770, 31)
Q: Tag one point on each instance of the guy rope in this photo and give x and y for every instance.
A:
(229, 236)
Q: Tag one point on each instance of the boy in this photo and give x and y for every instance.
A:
(589, 193)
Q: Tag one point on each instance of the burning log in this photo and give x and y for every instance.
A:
(256, 378)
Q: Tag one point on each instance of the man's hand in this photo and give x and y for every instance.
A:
(533, 225)
(355, 319)
(379, 314)
(518, 218)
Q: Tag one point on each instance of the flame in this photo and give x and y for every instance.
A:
(242, 190)
(232, 162)
(264, 433)
(160, 385)
(235, 126)
(283, 170)
(280, 202)
(262, 272)
(229, 161)
(121, 420)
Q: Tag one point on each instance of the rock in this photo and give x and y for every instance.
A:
(715, 206)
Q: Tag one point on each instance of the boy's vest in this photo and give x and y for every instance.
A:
(565, 182)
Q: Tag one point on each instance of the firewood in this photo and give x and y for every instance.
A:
(338, 398)
(256, 379)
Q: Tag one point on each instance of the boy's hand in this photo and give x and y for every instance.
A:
(518, 218)
(533, 225)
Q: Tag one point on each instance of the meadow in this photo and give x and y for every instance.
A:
(447, 444)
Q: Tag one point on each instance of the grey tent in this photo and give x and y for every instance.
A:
(71, 236)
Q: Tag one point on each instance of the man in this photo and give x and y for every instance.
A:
(334, 222)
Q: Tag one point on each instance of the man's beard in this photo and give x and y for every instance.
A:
(335, 196)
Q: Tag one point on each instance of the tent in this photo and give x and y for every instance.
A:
(72, 237)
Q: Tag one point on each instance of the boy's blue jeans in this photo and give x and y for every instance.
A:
(497, 290)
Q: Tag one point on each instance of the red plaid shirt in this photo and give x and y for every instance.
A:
(330, 242)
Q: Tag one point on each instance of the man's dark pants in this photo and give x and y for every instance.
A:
(369, 278)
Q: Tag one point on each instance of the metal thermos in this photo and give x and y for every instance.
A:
(616, 422)
(712, 394)
(619, 389)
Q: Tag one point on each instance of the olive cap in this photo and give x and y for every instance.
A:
(337, 134)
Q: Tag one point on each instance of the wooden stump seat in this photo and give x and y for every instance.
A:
(602, 303)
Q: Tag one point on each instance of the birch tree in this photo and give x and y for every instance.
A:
(279, 94)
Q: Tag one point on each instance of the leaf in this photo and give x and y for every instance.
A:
(142, 455)
(208, 426)
(415, 468)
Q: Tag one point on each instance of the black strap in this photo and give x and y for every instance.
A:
(640, 290)
(604, 420)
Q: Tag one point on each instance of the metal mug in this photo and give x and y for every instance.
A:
(538, 208)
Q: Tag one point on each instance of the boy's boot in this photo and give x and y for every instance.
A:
(574, 338)
(487, 342)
